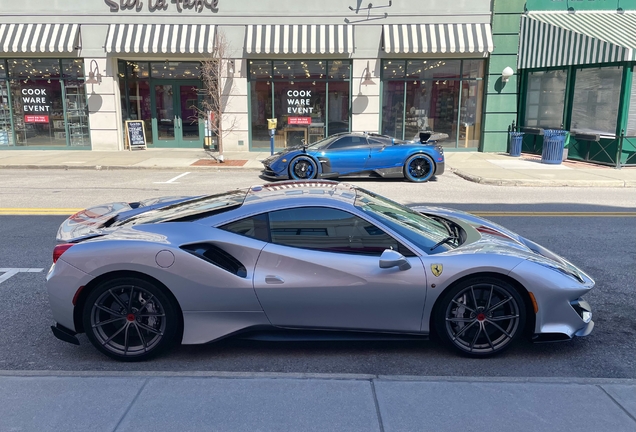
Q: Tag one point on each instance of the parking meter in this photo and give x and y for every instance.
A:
(271, 125)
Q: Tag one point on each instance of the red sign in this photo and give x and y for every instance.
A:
(299, 121)
(36, 119)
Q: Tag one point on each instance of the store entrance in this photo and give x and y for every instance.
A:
(175, 121)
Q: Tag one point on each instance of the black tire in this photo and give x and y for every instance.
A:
(480, 317)
(302, 168)
(419, 168)
(131, 319)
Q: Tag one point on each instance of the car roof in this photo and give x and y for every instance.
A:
(301, 189)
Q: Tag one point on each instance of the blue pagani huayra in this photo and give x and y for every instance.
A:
(359, 154)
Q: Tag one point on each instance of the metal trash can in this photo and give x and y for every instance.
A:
(553, 144)
(516, 140)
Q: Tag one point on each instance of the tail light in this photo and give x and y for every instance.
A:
(59, 250)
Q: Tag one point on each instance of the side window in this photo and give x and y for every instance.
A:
(330, 230)
(348, 142)
(255, 227)
(375, 142)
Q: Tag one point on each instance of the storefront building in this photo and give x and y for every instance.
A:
(72, 73)
(575, 66)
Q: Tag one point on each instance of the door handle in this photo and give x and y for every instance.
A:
(274, 280)
(176, 122)
(179, 122)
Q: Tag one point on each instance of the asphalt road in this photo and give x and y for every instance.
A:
(603, 246)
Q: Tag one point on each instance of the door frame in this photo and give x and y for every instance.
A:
(179, 141)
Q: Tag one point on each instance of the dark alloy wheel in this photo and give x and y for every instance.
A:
(419, 168)
(480, 317)
(303, 168)
(130, 319)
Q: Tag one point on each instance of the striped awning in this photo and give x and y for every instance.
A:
(38, 38)
(562, 39)
(299, 39)
(160, 38)
(437, 38)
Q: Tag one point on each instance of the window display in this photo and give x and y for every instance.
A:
(43, 103)
(310, 99)
(597, 94)
(545, 99)
(443, 96)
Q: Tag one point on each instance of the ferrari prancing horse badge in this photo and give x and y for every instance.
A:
(437, 269)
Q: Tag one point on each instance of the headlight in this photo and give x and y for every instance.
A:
(556, 267)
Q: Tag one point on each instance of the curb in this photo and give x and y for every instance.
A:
(325, 376)
(543, 183)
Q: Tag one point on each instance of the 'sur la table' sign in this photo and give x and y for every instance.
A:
(135, 134)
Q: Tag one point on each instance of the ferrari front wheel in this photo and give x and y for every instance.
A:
(130, 319)
(480, 317)
(419, 168)
(303, 168)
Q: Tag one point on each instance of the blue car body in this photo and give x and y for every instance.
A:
(358, 154)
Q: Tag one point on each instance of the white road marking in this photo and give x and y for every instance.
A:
(8, 272)
(173, 179)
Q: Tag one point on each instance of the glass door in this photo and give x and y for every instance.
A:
(175, 117)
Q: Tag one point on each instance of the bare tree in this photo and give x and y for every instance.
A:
(217, 72)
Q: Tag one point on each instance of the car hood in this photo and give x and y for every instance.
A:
(95, 221)
(495, 239)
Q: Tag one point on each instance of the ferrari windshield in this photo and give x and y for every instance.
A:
(194, 208)
(423, 231)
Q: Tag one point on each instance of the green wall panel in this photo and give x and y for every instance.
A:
(508, 6)
(495, 142)
(505, 103)
(499, 62)
(506, 24)
(506, 44)
(499, 122)
(496, 86)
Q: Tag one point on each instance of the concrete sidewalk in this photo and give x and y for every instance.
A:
(121, 401)
(486, 168)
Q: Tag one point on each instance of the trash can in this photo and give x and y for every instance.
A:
(553, 144)
(516, 140)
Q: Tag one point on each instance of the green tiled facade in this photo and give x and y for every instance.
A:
(501, 98)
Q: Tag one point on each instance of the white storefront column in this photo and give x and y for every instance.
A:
(235, 114)
(104, 111)
(365, 98)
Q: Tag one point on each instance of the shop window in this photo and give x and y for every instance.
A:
(139, 107)
(300, 69)
(307, 102)
(545, 99)
(175, 70)
(597, 93)
(136, 70)
(38, 112)
(260, 69)
(443, 96)
(34, 68)
(72, 68)
(3, 70)
(44, 103)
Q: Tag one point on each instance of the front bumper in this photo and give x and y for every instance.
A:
(271, 174)
(576, 324)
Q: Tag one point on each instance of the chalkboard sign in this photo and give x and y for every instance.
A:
(135, 134)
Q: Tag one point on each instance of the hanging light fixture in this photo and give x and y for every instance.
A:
(94, 77)
(367, 77)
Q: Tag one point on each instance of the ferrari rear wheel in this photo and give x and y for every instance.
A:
(303, 168)
(480, 317)
(419, 168)
(130, 319)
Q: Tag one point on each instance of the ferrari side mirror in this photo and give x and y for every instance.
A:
(391, 258)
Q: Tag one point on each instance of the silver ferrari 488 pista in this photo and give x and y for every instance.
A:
(304, 259)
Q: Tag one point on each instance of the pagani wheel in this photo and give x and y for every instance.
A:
(303, 168)
(419, 168)
(130, 319)
(480, 317)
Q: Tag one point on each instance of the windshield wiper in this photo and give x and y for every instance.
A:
(444, 240)
(452, 237)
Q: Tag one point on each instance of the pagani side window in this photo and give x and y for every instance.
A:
(349, 142)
